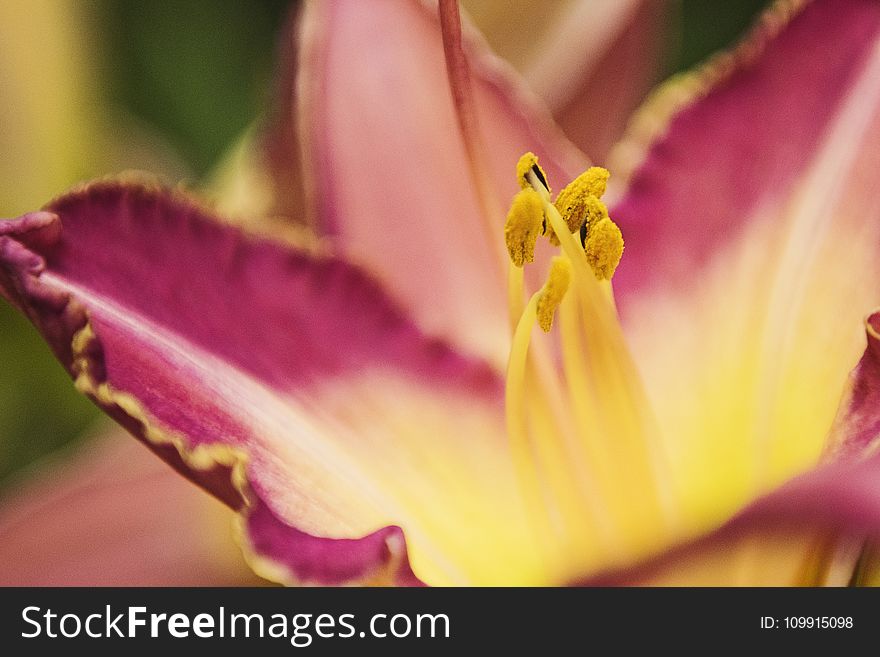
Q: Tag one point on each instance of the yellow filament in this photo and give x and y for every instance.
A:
(515, 288)
(516, 419)
(571, 503)
(560, 504)
(582, 396)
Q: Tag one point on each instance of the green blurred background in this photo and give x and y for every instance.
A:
(195, 74)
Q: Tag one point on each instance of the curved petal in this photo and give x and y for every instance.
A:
(752, 225)
(857, 427)
(283, 382)
(390, 179)
(269, 162)
(551, 36)
(111, 514)
(820, 528)
(715, 147)
(808, 532)
(592, 62)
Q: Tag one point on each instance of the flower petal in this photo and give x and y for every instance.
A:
(751, 230)
(591, 61)
(812, 530)
(260, 180)
(283, 382)
(550, 34)
(593, 110)
(857, 427)
(723, 145)
(391, 180)
(111, 514)
(791, 536)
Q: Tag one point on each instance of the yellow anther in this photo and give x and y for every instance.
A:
(604, 247)
(525, 223)
(594, 212)
(529, 163)
(573, 200)
(554, 290)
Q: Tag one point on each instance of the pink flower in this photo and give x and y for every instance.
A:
(357, 397)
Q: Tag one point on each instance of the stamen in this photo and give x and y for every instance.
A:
(527, 164)
(573, 201)
(604, 248)
(569, 463)
(609, 355)
(594, 212)
(553, 292)
(525, 223)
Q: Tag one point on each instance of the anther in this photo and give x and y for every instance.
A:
(528, 163)
(604, 248)
(553, 292)
(525, 223)
(578, 197)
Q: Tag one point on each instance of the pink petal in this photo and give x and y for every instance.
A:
(552, 36)
(111, 514)
(857, 428)
(591, 63)
(283, 382)
(599, 66)
(279, 151)
(391, 180)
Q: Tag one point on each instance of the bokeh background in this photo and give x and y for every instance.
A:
(92, 87)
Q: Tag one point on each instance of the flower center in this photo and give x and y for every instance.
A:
(583, 441)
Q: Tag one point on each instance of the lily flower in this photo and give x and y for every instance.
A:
(376, 400)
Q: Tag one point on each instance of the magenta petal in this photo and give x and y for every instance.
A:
(379, 558)
(742, 146)
(752, 211)
(857, 427)
(202, 341)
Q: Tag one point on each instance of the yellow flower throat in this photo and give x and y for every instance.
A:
(583, 442)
